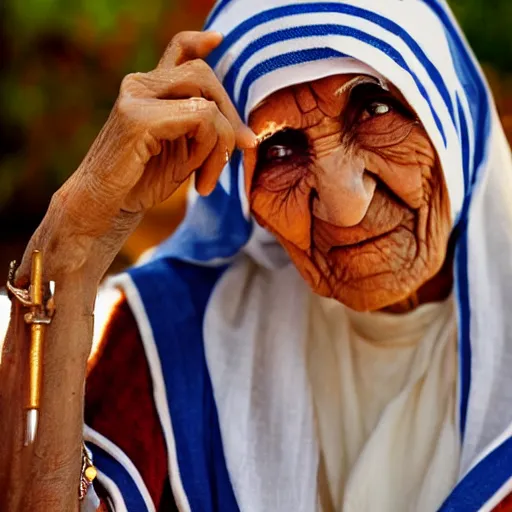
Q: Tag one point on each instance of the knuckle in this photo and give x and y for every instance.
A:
(206, 107)
(127, 115)
(58, 197)
(130, 85)
(182, 39)
(199, 67)
(211, 112)
(178, 40)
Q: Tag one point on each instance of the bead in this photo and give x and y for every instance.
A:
(91, 473)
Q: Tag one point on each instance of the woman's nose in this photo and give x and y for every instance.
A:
(344, 189)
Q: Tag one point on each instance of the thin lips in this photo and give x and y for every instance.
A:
(362, 242)
(330, 237)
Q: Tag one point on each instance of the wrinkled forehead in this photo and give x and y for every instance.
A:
(312, 72)
(273, 44)
(292, 105)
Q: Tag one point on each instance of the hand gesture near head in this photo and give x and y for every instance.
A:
(165, 125)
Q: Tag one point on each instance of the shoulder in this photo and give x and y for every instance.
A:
(174, 278)
(169, 297)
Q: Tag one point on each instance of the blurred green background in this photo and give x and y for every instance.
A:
(61, 64)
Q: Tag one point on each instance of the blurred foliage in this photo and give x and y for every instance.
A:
(487, 24)
(61, 63)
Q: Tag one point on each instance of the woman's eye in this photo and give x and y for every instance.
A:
(279, 152)
(378, 109)
(283, 147)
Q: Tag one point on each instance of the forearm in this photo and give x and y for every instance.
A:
(45, 475)
(50, 480)
(56, 469)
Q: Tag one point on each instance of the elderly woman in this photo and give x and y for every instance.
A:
(328, 328)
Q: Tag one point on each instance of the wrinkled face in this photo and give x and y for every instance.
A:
(347, 180)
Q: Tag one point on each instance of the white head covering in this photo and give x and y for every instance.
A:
(416, 45)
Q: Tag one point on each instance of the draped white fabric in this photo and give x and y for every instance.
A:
(384, 393)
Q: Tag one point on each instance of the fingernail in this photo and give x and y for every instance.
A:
(227, 155)
(214, 32)
(250, 140)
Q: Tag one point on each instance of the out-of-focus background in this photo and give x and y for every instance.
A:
(61, 63)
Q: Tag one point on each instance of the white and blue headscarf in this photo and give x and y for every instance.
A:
(271, 44)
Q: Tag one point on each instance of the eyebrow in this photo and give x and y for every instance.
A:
(271, 128)
(361, 79)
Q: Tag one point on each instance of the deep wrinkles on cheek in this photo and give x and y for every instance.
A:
(286, 213)
(405, 181)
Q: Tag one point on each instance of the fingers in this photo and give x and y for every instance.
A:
(207, 176)
(196, 79)
(187, 46)
(211, 136)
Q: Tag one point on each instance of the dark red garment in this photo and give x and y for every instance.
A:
(119, 401)
(505, 505)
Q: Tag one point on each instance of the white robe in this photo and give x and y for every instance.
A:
(384, 391)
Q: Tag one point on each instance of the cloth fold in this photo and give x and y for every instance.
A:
(384, 390)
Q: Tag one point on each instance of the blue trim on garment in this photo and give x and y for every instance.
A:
(478, 102)
(461, 272)
(175, 295)
(114, 470)
(465, 354)
(482, 482)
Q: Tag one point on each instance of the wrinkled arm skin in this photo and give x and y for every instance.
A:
(165, 125)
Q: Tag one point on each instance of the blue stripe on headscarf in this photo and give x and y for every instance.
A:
(323, 7)
(465, 147)
(301, 56)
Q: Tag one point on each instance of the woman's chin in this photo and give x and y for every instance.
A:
(369, 294)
